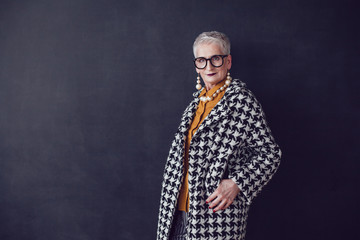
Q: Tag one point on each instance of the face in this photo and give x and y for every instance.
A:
(212, 75)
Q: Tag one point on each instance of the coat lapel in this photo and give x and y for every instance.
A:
(188, 115)
(221, 109)
(219, 112)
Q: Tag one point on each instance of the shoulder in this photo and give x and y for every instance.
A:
(239, 92)
(241, 100)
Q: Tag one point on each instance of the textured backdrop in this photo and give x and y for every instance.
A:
(91, 93)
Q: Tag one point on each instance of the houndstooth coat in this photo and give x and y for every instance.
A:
(233, 142)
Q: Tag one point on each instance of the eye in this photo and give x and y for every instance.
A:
(200, 60)
(216, 58)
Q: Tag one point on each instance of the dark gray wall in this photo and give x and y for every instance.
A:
(91, 93)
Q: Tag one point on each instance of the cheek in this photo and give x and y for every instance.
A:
(224, 72)
(201, 73)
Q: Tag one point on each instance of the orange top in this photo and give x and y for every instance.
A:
(203, 109)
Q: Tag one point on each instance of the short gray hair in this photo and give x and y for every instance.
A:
(213, 37)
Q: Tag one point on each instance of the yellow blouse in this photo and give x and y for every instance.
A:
(203, 109)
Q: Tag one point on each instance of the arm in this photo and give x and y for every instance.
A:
(256, 160)
(260, 157)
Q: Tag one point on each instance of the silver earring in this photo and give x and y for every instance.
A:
(198, 85)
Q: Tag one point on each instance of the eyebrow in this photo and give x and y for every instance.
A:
(212, 56)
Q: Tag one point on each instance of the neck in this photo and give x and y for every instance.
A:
(209, 86)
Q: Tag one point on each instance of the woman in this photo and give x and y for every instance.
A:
(222, 155)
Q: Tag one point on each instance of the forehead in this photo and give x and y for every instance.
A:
(207, 50)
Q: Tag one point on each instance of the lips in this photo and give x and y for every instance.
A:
(210, 74)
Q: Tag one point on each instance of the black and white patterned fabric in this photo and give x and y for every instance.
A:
(234, 139)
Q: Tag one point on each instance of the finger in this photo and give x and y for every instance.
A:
(221, 205)
(217, 200)
(212, 196)
(227, 204)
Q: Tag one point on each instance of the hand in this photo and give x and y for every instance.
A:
(223, 196)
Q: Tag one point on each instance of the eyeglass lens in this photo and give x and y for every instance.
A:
(216, 61)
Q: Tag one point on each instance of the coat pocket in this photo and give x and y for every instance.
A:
(214, 175)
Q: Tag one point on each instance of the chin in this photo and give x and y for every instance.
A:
(213, 81)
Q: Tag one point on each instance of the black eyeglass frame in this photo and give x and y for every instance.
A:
(209, 59)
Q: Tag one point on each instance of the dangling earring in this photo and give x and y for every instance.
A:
(198, 85)
(228, 79)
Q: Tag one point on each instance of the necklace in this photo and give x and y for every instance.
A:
(208, 98)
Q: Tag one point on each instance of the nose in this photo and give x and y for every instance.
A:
(209, 66)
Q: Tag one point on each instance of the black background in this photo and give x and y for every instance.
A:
(91, 93)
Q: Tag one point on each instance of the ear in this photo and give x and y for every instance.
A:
(197, 70)
(229, 62)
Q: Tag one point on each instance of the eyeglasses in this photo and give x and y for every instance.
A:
(216, 61)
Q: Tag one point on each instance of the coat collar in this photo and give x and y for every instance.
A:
(219, 112)
(222, 108)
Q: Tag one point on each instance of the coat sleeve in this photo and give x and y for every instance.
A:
(258, 157)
